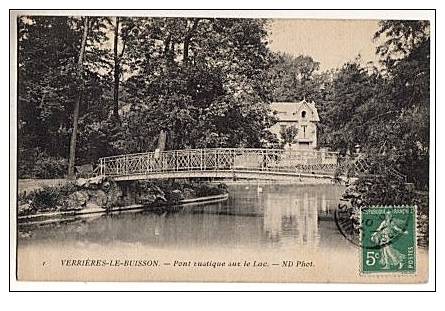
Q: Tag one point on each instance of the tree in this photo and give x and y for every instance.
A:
(385, 111)
(45, 73)
(294, 78)
(116, 69)
(72, 157)
(344, 107)
(288, 134)
(48, 84)
(122, 35)
(405, 52)
(400, 38)
(202, 81)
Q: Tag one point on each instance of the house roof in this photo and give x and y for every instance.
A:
(291, 111)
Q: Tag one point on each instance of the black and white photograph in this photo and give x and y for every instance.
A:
(209, 147)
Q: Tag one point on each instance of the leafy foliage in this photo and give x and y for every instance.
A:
(208, 82)
(48, 82)
(49, 197)
(288, 134)
(294, 78)
(202, 81)
(385, 111)
(35, 163)
(203, 90)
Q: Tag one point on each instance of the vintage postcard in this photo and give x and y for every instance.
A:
(220, 147)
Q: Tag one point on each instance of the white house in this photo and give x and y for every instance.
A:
(304, 116)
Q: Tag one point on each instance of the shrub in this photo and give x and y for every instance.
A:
(48, 197)
(32, 163)
(45, 198)
(204, 189)
(186, 189)
(50, 167)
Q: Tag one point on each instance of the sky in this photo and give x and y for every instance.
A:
(330, 42)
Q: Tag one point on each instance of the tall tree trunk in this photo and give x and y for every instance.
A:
(162, 140)
(187, 40)
(72, 159)
(116, 71)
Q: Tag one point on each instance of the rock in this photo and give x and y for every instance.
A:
(176, 195)
(156, 189)
(97, 197)
(92, 206)
(147, 199)
(114, 194)
(106, 185)
(81, 182)
(188, 193)
(96, 180)
(82, 197)
(150, 193)
(101, 198)
(24, 209)
(70, 203)
(76, 200)
(161, 198)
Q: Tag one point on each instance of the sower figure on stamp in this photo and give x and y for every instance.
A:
(387, 230)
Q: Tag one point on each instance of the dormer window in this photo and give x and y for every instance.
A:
(303, 114)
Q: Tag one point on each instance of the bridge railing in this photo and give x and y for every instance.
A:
(220, 159)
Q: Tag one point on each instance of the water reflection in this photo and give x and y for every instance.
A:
(292, 214)
(277, 216)
(293, 217)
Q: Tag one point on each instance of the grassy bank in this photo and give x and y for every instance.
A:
(29, 185)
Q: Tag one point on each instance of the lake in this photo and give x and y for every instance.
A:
(254, 216)
(265, 224)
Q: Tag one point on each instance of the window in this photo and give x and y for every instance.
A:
(303, 114)
(304, 130)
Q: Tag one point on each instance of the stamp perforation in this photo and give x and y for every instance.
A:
(390, 273)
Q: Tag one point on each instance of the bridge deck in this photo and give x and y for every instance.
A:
(273, 164)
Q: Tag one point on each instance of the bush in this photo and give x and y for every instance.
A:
(204, 189)
(50, 167)
(48, 197)
(186, 189)
(32, 163)
(174, 196)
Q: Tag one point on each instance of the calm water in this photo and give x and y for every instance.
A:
(279, 216)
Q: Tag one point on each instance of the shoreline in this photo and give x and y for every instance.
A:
(27, 185)
(49, 217)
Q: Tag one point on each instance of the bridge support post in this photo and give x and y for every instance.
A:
(126, 165)
(216, 160)
(201, 158)
(263, 160)
(189, 162)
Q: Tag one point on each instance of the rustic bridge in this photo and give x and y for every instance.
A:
(269, 164)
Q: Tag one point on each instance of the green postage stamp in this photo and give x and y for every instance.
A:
(388, 239)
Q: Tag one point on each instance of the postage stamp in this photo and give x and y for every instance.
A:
(389, 233)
